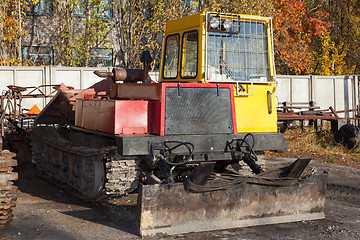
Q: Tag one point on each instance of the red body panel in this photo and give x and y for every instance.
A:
(126, 117)
(157, 127)
(129, 117)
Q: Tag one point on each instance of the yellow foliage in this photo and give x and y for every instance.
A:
(329, 60)
(10, 51)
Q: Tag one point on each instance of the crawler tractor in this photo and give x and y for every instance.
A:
(181, 142)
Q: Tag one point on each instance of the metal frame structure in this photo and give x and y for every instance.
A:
(307, 111)
(11, 110)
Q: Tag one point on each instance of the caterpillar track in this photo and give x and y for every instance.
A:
(7, 189)
(86, 172)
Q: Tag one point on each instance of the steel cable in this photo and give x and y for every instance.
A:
(225, 181)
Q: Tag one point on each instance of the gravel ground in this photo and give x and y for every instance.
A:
(45, 211)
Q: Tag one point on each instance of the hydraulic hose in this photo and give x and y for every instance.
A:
(188, 145)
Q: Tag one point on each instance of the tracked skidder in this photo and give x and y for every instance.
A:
(181, 142)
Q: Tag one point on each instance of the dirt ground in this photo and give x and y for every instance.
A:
(45, 211)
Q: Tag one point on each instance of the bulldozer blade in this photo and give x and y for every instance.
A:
(169, 209)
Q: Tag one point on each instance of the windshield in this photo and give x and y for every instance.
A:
(240, 55)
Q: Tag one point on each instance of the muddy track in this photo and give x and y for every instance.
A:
(85, 172)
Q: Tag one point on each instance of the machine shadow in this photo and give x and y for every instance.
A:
(120, 215)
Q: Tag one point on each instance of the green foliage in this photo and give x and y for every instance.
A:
(82, 27)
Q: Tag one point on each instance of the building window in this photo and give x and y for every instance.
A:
(103, 9)
(42, 7)
(80, 8)
(38, 55)
(101, 57)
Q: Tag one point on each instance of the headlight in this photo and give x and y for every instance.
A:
(214, 22)
(227, 24)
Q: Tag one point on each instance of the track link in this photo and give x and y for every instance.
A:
(88, 171)
(122, 173)
(7, 189)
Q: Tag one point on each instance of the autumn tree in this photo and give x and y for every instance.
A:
(81, 26)
(310, 36)
(255, 7)
(329, 59)
(345, 31)
(294, 29)
(139, 25)
(11, 31)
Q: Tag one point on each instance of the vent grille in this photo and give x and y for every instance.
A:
(198, 111)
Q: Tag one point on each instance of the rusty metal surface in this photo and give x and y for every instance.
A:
(58, 110)
(169, 209)
(34, 91)
(128, 75)
(283, 117)
(124, 117)
(309, 112)
(13, 117)
(146, 91)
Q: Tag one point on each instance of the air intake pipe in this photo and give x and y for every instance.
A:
(130, 75)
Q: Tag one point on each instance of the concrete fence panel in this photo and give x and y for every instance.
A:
(79, 78)
(323, 90)
(340, 92)
(26, 77)
(7, 78)
(293, 89)
(300, 89)
(283, 90)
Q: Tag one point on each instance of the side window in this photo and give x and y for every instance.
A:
(171, 59)
(189, 57)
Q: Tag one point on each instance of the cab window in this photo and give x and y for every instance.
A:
(189, 56)
(171, 59)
